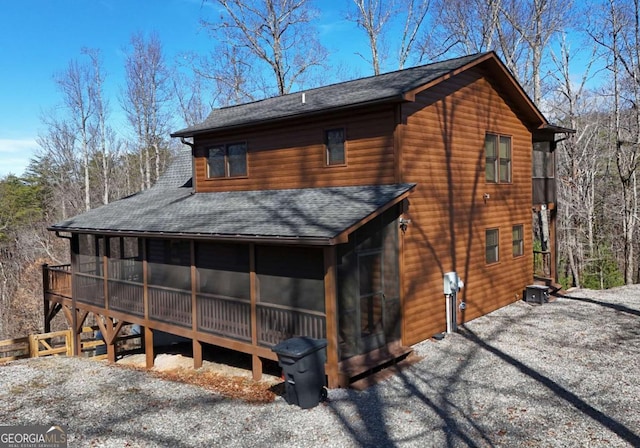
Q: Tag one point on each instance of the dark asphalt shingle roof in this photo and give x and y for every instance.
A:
(385, 87)
(171, 208)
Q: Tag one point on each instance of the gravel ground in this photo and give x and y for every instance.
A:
(564, 374)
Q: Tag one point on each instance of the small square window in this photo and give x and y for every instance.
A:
(492, 238)
(518, 240)
(227, 161)
(334, 141)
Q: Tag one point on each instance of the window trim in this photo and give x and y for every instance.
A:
(227, 165)
(497, 165)
(520, 242)
(326, 146)
(496, 248)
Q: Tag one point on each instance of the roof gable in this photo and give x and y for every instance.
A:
(397, 86)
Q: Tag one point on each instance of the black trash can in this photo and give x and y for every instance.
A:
(302, 360)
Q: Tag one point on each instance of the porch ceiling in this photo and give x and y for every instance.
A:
(300, 216)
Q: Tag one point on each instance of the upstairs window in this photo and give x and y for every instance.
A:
(227, 160)
(498, 158)
(334, 143)
(492, 238)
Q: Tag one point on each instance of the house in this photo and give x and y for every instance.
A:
(332, 213)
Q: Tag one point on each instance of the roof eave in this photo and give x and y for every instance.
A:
(390, 99)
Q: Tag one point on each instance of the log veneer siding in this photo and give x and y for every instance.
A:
(443, 135)
(292, 155)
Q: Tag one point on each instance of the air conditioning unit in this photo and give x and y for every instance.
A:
(536, 294)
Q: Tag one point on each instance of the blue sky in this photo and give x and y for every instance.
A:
(38, 38)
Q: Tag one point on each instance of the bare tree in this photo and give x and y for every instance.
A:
(377, 17)
(101, 108)
(373, 16)
(617, 32)
(77, 91)
(579, 158)
(415, 13)
(276, 34)
(537, 22)
(145, 101)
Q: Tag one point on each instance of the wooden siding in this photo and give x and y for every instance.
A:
(293, 155)
(442, 138)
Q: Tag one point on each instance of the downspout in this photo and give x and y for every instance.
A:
(193, 165)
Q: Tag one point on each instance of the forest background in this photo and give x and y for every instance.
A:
(578, 61)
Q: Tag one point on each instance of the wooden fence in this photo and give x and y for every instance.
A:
(36, 346)
(53, 344)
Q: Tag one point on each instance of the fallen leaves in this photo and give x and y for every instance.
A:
(234, 387)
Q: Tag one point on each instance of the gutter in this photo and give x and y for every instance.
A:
(294, 241)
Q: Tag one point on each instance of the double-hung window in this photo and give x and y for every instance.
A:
(227, 160)
(492, 239)
(497, 150)
(335, 148)
(518, 240)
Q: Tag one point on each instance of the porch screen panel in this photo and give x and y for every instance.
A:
(90, 251)
(89, 270)
(169, 263)
(125, 275)
(223, 269)
(369, 287)
(169, 271)
(291, 276)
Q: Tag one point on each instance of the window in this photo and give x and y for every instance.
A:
(227, 160)
(492, 237)
(518, 240)
(334, 142)
(498, 158)
(543, 166)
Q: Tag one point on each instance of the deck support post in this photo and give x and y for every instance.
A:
(197, 354)
(256, 367)
(148, 347)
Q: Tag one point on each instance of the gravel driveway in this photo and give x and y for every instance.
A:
(564, 374)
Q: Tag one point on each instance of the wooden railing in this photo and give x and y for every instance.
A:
(170, 305)
(57, 280)
(126, 297)
(277, 323)
(224, 316)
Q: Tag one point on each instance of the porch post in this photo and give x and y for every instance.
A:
(197, 345)
(75, 250)
(256, 362)
(330, 304)
(46, 304)
(148, 333)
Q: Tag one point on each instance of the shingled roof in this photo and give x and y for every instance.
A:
(374, 89)
(309, 215)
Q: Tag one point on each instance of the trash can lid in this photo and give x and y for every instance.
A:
(299, 347)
